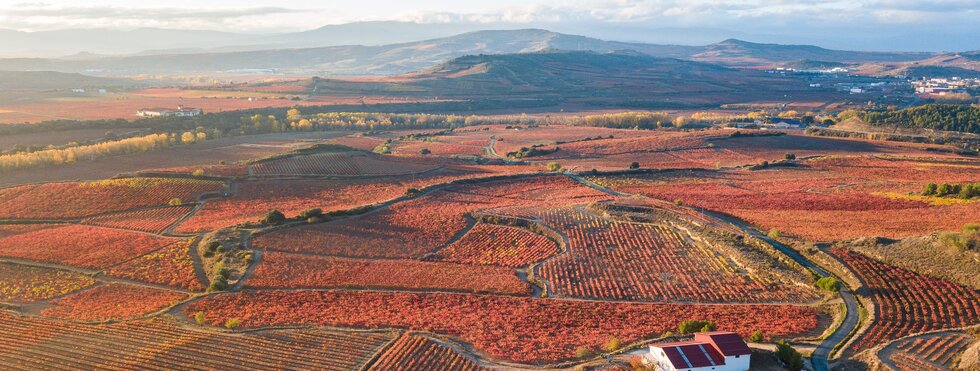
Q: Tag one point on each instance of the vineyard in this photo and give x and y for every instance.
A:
(489, 244)
(75, 200)
(284, 270)
(31, 343)
(626, 261)
(930, 351)
(343, 163)
(417, 352)
(908, 303)
(421, 225)
(254, 199)
(112, 302)
(825, 199)
(77, 245)
(24, 284)
(170, 266)
(518, 329)
(149, 220)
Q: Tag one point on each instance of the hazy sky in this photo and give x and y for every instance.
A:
(257, 15)
(806, 20)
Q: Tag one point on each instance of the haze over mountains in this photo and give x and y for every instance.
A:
(413, 56)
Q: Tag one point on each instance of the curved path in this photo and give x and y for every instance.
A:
(821, 355)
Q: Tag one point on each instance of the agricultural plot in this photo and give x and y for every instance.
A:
(284, 270)
(35, 343)
(77, 245)
(417, 352)
(822, 199)
(513, 328)
(608, 259)
(254, 199)
(928, 352)
(908, 303)
(171, 266)
(337, 163)
(112, 302)
(80, 199)
(421, 225)
(489, 244)
(25, 284)
(148, 220)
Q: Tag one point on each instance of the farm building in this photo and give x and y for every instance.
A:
(720, 351)
(181, 111)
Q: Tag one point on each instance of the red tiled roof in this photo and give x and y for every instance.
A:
(728, 343)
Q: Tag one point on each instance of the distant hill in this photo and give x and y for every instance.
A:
(615, 78)
(47, 80)
(413, 56)
(738, 52)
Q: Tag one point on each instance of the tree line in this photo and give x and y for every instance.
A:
(945, 117)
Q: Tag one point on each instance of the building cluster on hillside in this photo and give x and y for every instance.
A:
(865, 87)
(818, 71)
(719, 351)
(943, 86)
(181, 111)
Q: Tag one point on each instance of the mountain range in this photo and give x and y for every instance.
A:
(413, 56)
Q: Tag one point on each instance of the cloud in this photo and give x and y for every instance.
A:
(46, 16)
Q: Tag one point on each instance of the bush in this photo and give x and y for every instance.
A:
(634, 165)
(678, 202)
(274, 217)
(554, 166)
(424, 151)
(198, 172)
(583, 352)
(930, 189)
(311, 213)
(791, 357)
(774, 234)
(232, 323)
(175, 202)
(199, 317)
(756, 337)
(219, 283)
(828, 284)
(790, 156)
(611, 344)
(691, 326)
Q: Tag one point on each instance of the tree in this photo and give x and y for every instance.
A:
(274, 217)
(790, 356)
(634, 165)
(756, 337)
(691, 326)
(175, 202)
(424, 151)
(199, 317)
(311, 213)
(198, 172)
(232, 323)
(828, 284)
(583, 352)
(554, 166)
(930, 189)
(790, 156)
(611, 344)
(774, 233)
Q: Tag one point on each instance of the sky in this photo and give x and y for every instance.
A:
(805, 20)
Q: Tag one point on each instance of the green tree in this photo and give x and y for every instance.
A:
(789, 355)
(828, 284)
(930, 189)
(274, 217)
(790, 156)
(232, 323)
(200, 318)
(756, 337)
(554, 166)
